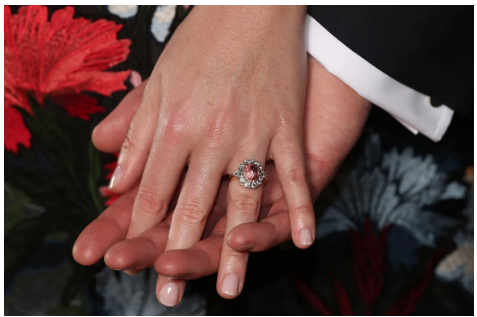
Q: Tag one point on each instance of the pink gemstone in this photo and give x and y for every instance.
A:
(251, 172)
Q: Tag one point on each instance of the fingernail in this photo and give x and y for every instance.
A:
(305, 237)
(116, 177)
(169, 295)
(126, 268)
(230, 285)
(245, 247)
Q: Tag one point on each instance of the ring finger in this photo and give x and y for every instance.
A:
(243, 207)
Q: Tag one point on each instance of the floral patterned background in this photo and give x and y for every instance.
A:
(395, 229)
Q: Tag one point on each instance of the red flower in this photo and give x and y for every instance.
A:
(104, 190)
(61, 58)
(369, 273)
(368, 267)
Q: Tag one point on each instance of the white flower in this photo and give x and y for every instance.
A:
(459, 264)
(127, 295)
(162, 20)
(390, 188)
(123, 11)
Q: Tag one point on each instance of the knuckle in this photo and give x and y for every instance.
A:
(320, 159)
(244, 203)
(149, 203)
(128, 143)
(175, 128)
(236, 256)
(283, 222)
(296, 177)
(302, 210)
(191, 213)
(218, 130)
(287, 124)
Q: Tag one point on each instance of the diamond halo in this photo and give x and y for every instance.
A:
(250, 174)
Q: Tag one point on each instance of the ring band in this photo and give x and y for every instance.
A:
(250, 173)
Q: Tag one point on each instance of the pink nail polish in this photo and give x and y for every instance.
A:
(305, 237)
(169, 295)
(116, 177)
(230, 285)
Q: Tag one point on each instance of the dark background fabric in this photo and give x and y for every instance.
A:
(428, 48)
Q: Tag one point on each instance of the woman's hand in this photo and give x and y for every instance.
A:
(334, 118)
(105, 236)
(229, 86)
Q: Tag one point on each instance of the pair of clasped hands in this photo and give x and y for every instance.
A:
(234, 83)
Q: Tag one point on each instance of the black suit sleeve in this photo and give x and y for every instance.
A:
(428, 48)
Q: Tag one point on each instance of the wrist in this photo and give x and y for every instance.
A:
(253, 18)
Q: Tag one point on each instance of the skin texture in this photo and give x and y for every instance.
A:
(334, 119)
(219, 94)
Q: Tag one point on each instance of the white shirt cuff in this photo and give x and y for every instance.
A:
(408, 106)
